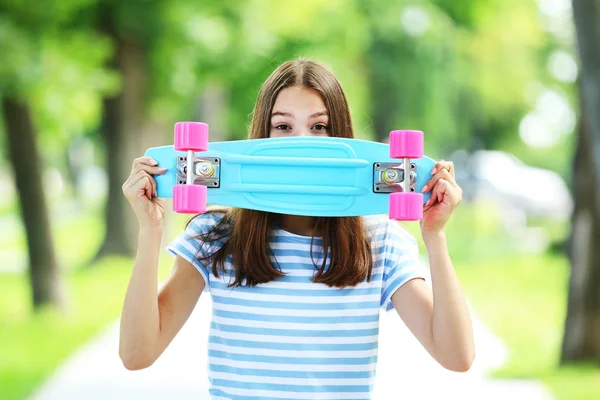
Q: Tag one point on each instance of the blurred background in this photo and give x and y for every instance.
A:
(498, 87)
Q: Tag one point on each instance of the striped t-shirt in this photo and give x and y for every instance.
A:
(291, 338)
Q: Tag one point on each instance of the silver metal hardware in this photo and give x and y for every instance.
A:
(204, 170)
(390, 177)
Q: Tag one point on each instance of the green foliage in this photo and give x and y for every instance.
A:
(95, 298)
(54, 63)
(459, 70)
(27, 357)
(522, 298)
(465, 72)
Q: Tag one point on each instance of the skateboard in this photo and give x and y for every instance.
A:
(312, 176)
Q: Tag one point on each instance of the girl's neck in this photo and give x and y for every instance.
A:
(298, 225)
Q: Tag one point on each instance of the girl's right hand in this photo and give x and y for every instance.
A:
(140, 191)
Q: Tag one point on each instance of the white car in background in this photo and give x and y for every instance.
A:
(503, 178)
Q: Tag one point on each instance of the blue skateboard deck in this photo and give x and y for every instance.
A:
(314, 176)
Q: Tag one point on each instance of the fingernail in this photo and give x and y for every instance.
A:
(154, 162)
(428, 201)
(433, 171)
(424, 189)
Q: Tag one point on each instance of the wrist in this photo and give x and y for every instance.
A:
(150, 229)
(433, 238)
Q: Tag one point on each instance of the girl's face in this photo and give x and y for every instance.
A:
(299, 111)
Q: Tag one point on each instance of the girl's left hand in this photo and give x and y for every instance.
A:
(446, 195)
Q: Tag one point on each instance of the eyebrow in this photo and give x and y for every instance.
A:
(283, 114)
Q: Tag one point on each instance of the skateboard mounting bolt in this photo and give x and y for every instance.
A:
(390, 175)
(205, 169)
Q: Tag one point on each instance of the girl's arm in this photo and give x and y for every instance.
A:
(439, 317)
(149, 320)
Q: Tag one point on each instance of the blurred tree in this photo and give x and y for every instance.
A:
(442, 67)
(407, 62)
(173, 58)
(20, 46)
(49, 80)
(582, 326)
(44, 270)
(125, 127)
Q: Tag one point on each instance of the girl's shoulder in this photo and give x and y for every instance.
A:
(204, 223)
(382, 228)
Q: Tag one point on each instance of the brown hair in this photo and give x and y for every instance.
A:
(246, 232)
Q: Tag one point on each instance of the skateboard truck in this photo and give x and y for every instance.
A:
(205, 170)
(390, 177)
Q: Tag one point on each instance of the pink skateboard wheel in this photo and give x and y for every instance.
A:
(406, 206)
(406, 144)
(191, 136)
(189, 199)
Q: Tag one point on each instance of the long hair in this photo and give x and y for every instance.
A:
(245, 233)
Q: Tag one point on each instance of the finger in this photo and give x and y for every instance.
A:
(144, 160)
(153, 190)
(146, 188)
(446, 192)
(448, 176)
(427, 205)
(442, 174)
(144, 173)
(152, 170)
(437, 193)
(152, 186)
(149, 189)
(144, 183)
(139, 187)
(443, 164)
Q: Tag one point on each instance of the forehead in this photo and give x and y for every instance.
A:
(298, 98)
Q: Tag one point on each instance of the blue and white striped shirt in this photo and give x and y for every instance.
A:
(291, 338)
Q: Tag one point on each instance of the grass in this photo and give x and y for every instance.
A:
(473, 233)
(33, 345)
(522, 298)
(74, 240)
(507, 294)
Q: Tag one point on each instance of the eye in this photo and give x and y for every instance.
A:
(320, 127)
(283, 127)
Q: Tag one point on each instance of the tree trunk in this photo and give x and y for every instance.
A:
(384, 94)
(582, 330)
(44, 271)
(212, 109)
(124, 131)
(582, 326)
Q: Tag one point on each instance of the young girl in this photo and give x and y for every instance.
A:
(296, 299)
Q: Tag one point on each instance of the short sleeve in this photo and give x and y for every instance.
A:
(190, 246)
(401, 262)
